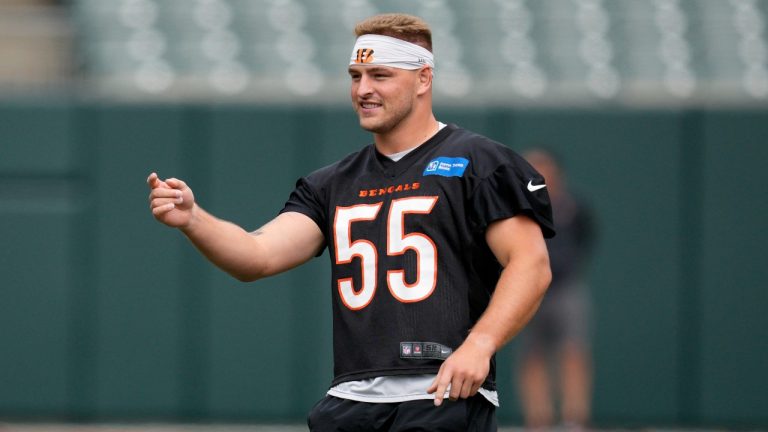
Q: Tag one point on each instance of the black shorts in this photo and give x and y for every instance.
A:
(334, 414)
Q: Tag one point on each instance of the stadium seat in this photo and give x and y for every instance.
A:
(507, 51)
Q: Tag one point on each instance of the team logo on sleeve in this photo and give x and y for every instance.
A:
(447, 166)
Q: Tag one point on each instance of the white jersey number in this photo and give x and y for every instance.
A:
(398, 242)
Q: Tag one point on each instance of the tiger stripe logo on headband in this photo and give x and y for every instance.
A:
(390, 52)
(364, 55)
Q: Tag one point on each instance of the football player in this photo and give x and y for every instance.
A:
(436, 242)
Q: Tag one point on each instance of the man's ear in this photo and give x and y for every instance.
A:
(425, 80)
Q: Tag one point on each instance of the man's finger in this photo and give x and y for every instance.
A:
(157, 211)
(161, 196)
(436, 382)
(152, 180)
(159, 202)
(176, 183)
(466, 390)
(432, 387)
(456, 387)
(165, 193)
(439, 386)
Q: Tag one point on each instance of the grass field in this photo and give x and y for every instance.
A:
(16, 427)
(45, 427)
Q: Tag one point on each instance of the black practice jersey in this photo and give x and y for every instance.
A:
(411, 271)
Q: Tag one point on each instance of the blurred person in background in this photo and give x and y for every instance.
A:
(554, 363)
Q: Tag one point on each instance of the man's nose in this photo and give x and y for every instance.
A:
(364, 86)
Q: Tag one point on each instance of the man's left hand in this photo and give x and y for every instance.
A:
(464, 371)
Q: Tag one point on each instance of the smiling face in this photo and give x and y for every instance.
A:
(383, 96)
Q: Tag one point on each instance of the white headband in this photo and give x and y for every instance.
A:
(381, 50)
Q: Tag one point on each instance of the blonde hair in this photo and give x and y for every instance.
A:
(397, 25)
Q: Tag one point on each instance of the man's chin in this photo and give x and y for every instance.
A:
(369, 126)
(374, 127)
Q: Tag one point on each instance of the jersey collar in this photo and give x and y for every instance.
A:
(392, 169)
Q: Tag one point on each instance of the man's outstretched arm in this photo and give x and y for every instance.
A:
(284, 243)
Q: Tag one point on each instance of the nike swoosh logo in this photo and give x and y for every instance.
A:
(534, 188)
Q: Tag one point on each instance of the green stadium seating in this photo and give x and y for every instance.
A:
(487, 51)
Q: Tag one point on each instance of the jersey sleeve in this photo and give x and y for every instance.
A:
(505, 193)
(305, 200)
